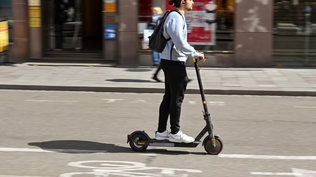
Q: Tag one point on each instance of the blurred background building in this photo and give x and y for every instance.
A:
(249, 33)
(294, 32)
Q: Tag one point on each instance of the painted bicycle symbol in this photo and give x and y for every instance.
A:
(105, 168)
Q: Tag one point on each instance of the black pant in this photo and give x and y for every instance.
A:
(176, 81)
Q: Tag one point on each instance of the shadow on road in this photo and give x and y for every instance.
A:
(88, 147)
(7, 64)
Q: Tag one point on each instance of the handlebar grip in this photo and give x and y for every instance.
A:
(199, 58)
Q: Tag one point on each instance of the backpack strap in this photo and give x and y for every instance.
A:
(168, 12)
(176, 10)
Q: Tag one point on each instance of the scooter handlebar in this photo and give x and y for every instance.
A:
(199, 59)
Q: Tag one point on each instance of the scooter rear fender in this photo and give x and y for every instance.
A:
(135, 132)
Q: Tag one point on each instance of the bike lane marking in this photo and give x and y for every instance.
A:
(295, 172)
(235, 156)
(125, 168)
(107, 167)
(266, 157)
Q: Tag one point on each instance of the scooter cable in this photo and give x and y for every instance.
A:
(203, 63)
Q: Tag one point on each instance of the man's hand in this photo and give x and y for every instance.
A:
(201, 56)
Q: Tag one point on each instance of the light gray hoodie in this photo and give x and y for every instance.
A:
(177, 49)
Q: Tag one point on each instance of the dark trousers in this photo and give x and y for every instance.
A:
(175, 85)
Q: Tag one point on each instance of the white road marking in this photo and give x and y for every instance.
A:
(18, 176)
(296, 172)
(216, 103)
(52, 101)
(148, 154)
(124, 168)
(192, 102)
(234, 156)
(272, 174)
(304, 173)
(266, 157)
(50, 150)
(139, 101)
(305, 107)
(112, 100)
(22, 150)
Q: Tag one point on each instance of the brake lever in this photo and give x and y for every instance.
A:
(200, 58)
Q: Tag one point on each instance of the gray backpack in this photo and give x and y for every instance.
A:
(157, 41)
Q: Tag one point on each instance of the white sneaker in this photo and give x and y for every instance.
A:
(162, 136)
(180, 137)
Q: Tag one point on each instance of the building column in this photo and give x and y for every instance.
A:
(35, 29)
(253, 33)
(110, 40)
(20, 31)
(127, 32)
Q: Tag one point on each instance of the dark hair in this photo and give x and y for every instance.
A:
(175, 3)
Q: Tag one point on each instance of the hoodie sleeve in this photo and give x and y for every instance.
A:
(175, 30)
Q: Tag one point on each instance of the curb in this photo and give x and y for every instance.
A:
(156, 90)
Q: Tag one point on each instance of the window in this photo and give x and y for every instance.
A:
(144, 15)
(6, 14)
(224, 32)
(5, 9)
(294, 32)
(225, 14)
(224, 27)
(144, 10)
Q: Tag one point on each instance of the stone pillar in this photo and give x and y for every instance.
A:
(110, 46)
(253, 33)
(127, 31)
(19, 49)
(35, 29)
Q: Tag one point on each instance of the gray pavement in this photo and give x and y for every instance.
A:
(249, 81)
(60, 134)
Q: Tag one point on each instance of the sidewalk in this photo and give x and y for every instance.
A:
(239, 81)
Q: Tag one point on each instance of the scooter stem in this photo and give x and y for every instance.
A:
(207, 116)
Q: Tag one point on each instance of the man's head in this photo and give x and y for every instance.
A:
(185, 5)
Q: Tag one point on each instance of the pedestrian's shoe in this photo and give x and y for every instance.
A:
(162, 136)
(180, 137)
(156, 79)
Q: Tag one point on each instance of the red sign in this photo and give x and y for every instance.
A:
(201, 30)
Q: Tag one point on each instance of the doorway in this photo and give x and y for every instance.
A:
(74, 26)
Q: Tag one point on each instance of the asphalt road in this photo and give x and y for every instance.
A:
(63, 134)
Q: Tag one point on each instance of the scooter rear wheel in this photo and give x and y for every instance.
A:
(209, 148)
(134, 142)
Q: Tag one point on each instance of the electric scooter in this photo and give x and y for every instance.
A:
(139, 140)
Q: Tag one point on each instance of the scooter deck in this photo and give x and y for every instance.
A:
(166, 143)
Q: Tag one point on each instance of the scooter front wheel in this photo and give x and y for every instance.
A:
(209, 148)
(136, 145)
